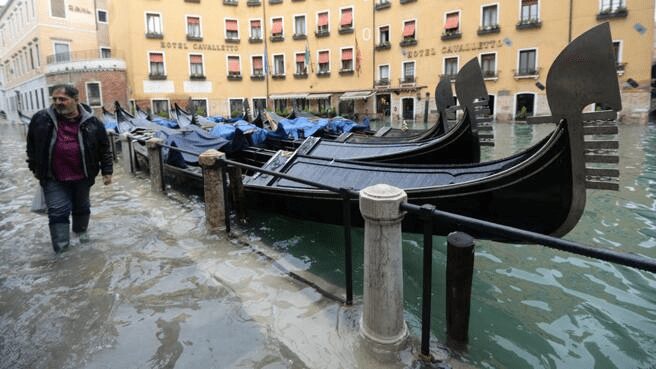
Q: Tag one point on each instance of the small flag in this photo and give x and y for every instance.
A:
(358, 57)
(266, 62)
(308, 61)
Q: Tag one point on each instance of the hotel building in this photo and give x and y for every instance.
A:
(382, 58)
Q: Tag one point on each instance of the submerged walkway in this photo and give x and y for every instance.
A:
(154, 290)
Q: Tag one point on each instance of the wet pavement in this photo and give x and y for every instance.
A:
(153, 289)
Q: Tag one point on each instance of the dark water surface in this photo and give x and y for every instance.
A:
(532, 307)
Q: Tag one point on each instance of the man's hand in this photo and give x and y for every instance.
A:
(107, 179)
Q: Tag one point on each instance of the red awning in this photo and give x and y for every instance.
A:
(255, 24)
(156, 58)
(451, 21)
(347, 17)
(196, 59)
(277, 26)
(409, 29)
(193, 20)
(231, 25)
(300, 58)
(257, 63)
(233, 64)
(347, 54)
(323, 19)
(323, 57)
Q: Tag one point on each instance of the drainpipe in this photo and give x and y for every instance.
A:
(569, 35)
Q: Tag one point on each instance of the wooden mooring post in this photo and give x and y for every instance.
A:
(126, 153)
(215, 214)
(459, 273)
(156, 167)
(237, 193)
(382, 314)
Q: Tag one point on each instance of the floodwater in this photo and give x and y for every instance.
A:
(532, 307)
(154, 290)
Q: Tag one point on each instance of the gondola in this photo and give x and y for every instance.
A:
(542, 189)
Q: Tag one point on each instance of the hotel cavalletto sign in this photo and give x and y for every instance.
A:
(198, 46)
(452, 49)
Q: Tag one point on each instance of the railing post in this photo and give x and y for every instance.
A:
(382, 316)
(459, 272)
(155, 163)
(213, 189)
(126, 152)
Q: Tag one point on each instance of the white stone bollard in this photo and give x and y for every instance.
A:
(382, 317)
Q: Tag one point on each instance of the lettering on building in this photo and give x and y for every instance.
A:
(77, 9)
(471, 46)
(198, 46)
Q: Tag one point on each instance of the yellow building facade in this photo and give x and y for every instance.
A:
(381, 58)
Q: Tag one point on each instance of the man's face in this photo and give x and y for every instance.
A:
(64, 104)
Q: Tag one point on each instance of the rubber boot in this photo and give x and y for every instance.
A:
(60, 236)
(80, 225)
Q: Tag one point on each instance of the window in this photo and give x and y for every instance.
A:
(58, 8)
(102, 16)
(383, 74)
(527, 63)
(617, 51)
(383, 35)
(299, 25)
(232, 29)
(300, 64)
(452, 23)
(322, 23)
(324, 104)
(324, 62)
(161, 108)
(408, 30)
(529, 12)
(193, 28)
(612, 5)
(94, 98)
(276, 27)
(347, 59)
(234, 69)
(258, 66)
(408, 72)
(105, 53)
(256, 29)
(196, 66)
(451, 67)
(489, 18)
(280, 105)
(279, 65)
(156, 64)
(199, 106)
(259, 104)
(347, 18)
(62, 52)
(236, 108)
(153, 24)
(489, 65)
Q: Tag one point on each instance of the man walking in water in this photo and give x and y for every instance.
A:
(66, 148)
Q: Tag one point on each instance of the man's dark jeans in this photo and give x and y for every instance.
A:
(64, 198)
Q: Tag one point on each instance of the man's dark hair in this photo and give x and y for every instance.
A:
(69, 90)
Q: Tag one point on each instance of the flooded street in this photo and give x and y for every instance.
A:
(153, 289)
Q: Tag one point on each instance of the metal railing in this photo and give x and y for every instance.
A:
(82, 55)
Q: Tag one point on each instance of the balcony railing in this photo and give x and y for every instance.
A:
(620, 12)
(299, 36)
(323, 73)
(275, 1)
(383, 82)
(234, 76)
(197, 77)
(526, 73)
(322, 33)
(450, 76)
(255, 40)
(407, 1)
(490, 74)
(257, 76)
(230, 2)
(253, 3)
(383, 4)
(155, 35)
(620, 68)
(301, 75)
(194, 38)
(385, 45)
(408, 42)
(278, 76)
(529, 24)
(486, 30)
(407, 80)
(157, 76)
(232, 40)
(451, 35)
(277, 38)
(346, 30)
(81, 55)
(346, 71)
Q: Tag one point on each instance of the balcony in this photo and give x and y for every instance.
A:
(232, 76)
(85, 60)
(197, 77)
(526, 73)
(408, 81)
(323, 74)
(346, 30)
(385, 45)
(278, 76)
(488, 30)
(192, 1)
(529, 24)
(253, 3)
(273, 2)
(382, 4)
(408, 42)
(157, 76)
(407, 1)
(257, 76)
(230, 2)
(322, 33)
(490, 75)
(451, 35)
(155, 35)
(299, 36)
(346, 72)
(194, 38)
(277, 38)
(620, 12)
(255, 40)
(383, 82)
(302, 75)
(232, 40)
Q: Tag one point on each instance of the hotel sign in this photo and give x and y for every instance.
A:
(451, 49)
(198, 46)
